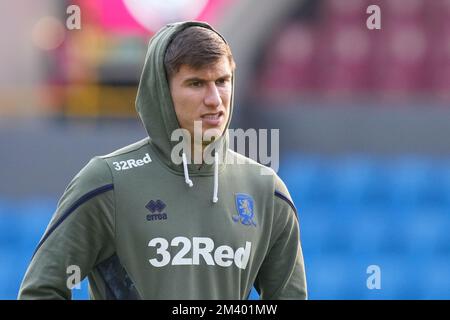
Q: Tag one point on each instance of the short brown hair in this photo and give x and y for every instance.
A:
(196, 47)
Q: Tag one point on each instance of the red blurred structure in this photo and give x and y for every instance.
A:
(336, 55)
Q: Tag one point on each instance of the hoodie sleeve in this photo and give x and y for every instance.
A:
(79, 235)
(282, 274)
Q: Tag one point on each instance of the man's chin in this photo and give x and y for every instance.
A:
(210, 135)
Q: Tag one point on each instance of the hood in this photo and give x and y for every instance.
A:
(155, 106)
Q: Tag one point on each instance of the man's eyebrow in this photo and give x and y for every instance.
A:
(195, 79)
(226, 76)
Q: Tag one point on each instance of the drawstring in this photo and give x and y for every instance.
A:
(216, 177)
(186, 173)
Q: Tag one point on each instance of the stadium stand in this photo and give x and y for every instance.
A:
(333, 54)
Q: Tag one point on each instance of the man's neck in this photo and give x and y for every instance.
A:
(197, 153)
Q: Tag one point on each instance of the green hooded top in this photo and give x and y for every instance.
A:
(141, 226)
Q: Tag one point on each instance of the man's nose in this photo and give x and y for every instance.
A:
(212, 96)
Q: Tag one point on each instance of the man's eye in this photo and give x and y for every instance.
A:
(196, 84)
(224, 82)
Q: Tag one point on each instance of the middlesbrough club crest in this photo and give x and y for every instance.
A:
(245, 210)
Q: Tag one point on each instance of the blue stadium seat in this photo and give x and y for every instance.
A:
(81, 293)
(336, 276)
(440, 186)
(427, 231)
(396, 280)
(299, 174)
(313, 228)
(21, 226)
(12, 270)
(253, 295)
(368, 232)
(328, 276)
(311, 180)
(410, 179)
(435, 276)
(9, 227)
(354, 178)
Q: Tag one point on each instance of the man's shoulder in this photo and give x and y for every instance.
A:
(264, 179)
(124, 151)
(250, 166)
(98, 170)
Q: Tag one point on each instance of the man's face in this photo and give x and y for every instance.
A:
(202, 95)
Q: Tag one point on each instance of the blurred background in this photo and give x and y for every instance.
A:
(364, 119)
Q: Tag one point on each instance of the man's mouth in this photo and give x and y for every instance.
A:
(213, 119)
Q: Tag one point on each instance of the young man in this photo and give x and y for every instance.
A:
(144, 225)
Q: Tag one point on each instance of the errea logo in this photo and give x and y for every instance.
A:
(156, 208)
(131, 163)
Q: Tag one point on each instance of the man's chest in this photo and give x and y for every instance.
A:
(175, 228)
